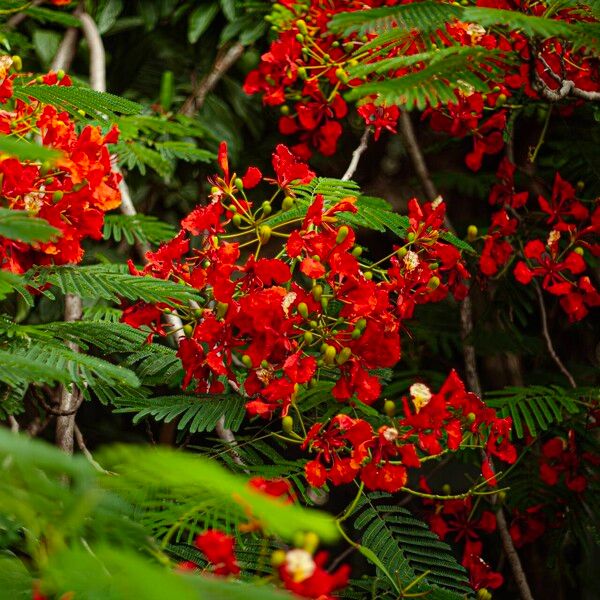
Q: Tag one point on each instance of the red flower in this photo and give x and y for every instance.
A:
(380, 117)
(278, 488)
(218, 549)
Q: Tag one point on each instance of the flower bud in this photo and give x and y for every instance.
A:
(483, 594)
(343, 356)
(264, 363)
(313, 324)
(308, 337)
(188, 330)
(278, 558)
(368, 275)
(389, 408)
(324, 303)
(411, 236)
(214, 189)
(232, 208)
(264, 234)
(60, 74)
(301, 25)
(402, 252)
(361, 323)
(329, 354)
(198, 312)
(341, 75)
(348, 47)
(236, 219)
(578, 250)
(48, 180)
(472, 232)
(501, 495)
(447, 489)
(502, 98)
(433, 266)
(266, 208)
(287, 424)
(247, 361)
(433, 283)
(222, 309)
(287, 203)
(357, 251)
(302, 72)
(342, 234)
(317, 292)
(239, 184)
(284, 110)
(580, 186)
(17, 63)
(471, 417)
(311, 542)
(57, 196)
(356, 333)
(299, 38)
(303, 310)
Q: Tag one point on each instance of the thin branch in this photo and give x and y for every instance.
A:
(66, 51)
(356, 155)
(69, 397)
(222, 64)
(466, 309)
(87, 453)
(17, 19)
(513, 557)
(567, 86)
(14, 424)
(227, 436)
(96, 47)
(466, 321)
(546, 333)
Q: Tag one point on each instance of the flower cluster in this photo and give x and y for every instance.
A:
(72, 193)
(558, 259)
(459, 520)
(306, 71)
(432, 424)
(313, 309)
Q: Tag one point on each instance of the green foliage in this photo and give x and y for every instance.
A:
(20, 225)
(97, 105)
(111, 282)
(25, 150)
(194, 413)
(536, 406)
(408, 551)
(143, 228)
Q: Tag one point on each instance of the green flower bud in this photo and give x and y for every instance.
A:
(287, 424)
(308, 337)
(247, 361)
(578, 250)
(301, 25)
(299, 38)
(368, 275)
(447, 489)
(329, 354)
(57, 196)
(222, 309)
(278, 558)
(361, 323)
(433, 283)
(188, 330)
(356, 333)
(303, 310)
(433, 266)
(266, 208)
(284, 110)
(311, 542)
(342, 234)
(287, 203)
(343, 356)
(239, 184)
(389, 408)
(357, 251)
(264, 234)
(324, 303)
(17, 63)
(472, 232)
(317, 292)
(236, 220)
(411, 236)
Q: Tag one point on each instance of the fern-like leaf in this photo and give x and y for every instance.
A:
(144, 228)
(408, 549)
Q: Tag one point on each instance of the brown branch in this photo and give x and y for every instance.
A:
(14, 424)
(513, 557)
(66, 51)
(466, 309)
(223, 63)
(466, 321)
(567, 86)
(87, 453)
(96, 47)
(356, 155)
(546, 333)
(18, 18)
(69, 397)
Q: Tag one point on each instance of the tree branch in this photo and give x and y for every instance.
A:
(546, 333)
(356, 155)
(18, 18)
(66, 51)
(96, 47)
(466, 322)
(222, 64)
(69, 397)
(567, 86)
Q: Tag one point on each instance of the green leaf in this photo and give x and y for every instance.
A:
(24, 150)
(111, 282)
(98, 105)
(537, 406)
(47, 15)
(200, 20)
(409, 550)
(195, 413)
(20, 225)
(143, 228)
(15, 580)
(46, 44)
